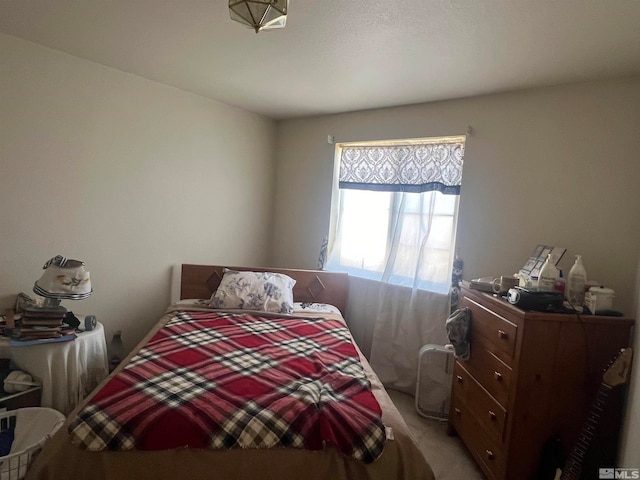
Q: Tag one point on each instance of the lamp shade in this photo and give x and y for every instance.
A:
(259, 14)
(64, 278)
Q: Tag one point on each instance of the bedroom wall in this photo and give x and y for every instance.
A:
(129, 175)
(555, 166)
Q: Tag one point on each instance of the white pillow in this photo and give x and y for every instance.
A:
(263, 291)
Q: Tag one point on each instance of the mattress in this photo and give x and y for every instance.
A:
(400, 459)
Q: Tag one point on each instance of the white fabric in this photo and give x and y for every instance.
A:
(406, 245)
(399, 238)
(68, 371)
(33, 425)
(394, 323)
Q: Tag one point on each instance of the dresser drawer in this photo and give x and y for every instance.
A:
(483, 406)
(490, 372)
(487, 452)
(497, 332)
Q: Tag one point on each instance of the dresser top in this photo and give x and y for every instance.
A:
(502, 306)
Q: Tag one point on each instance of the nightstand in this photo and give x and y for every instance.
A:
(27, 398)
(68, 371)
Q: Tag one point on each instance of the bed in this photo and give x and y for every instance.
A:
(65, 456)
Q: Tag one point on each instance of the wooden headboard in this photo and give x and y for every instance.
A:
(200, 281)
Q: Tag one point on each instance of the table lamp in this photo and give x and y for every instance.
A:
(63, 279)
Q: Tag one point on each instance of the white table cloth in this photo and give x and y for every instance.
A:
(68, 371)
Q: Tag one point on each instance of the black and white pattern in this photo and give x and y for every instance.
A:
(264, 382)
(418, 167)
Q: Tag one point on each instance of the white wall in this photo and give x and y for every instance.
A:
(557, 166)
(129, 175)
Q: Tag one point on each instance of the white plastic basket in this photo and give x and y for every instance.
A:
(33, 426)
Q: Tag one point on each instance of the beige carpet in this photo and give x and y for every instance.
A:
(446, 454)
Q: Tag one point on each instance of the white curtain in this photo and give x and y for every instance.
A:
(394, 232)
(399, 249)
(396, 237)
(391, 323)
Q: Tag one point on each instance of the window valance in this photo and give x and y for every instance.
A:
(404, 166)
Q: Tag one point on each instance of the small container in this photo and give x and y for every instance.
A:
(574, 292)
(549, 275)
(116, 349)
(599, 298)
(560, 286)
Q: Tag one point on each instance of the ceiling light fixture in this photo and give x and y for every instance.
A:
(259, 14)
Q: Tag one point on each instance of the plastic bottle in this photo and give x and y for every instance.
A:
(117, 350)
(575, 284)
(561, 285)
(548, 275)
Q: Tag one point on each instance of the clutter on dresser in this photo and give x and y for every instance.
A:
(502, 284)
(530, 271)
(499, 285)
(484, 284)
(536, 299)
(599, 301)
(540, 285)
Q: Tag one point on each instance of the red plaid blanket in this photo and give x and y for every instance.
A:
(217, 380)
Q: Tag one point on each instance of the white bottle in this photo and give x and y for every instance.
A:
(575, 284)
(548, 275)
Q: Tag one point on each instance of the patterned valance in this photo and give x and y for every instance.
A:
(406, 166)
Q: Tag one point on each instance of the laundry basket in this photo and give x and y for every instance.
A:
(32, 427)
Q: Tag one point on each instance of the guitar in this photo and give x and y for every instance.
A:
(617, 374)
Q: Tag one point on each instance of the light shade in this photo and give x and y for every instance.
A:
(64, 278)
(259, 14)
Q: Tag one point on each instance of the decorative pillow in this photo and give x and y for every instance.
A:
(264, 291)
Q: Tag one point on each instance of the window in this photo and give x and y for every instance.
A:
(395, 213)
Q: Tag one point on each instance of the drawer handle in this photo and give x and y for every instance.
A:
(492, 415)
(502, 334)
(497, 376)
(459, 378)
(490, 454)
(458, 412)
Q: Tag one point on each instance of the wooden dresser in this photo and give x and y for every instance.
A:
(531, 376)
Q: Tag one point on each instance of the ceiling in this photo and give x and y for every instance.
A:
(342, 55)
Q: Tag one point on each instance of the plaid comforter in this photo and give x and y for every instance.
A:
(219, 380)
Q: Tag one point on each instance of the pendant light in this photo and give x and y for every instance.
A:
(259, 14)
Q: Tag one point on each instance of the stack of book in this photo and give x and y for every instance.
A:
(39, 323)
